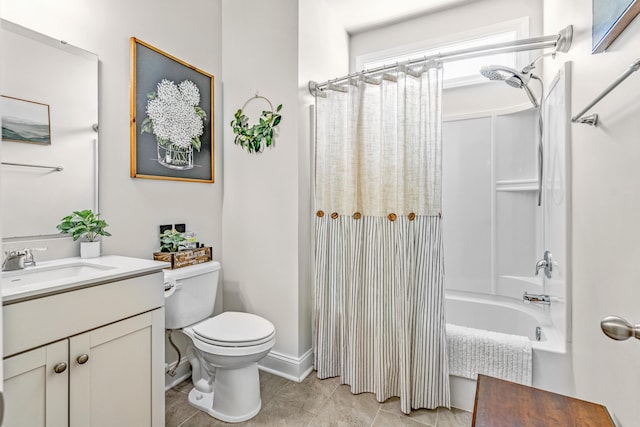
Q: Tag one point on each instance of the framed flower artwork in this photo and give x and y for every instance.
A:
(171, 121)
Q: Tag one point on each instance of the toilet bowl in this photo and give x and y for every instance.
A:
(224, 350)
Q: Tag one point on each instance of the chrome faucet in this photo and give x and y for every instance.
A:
(536, 299)
(545, 264)
(14, 260)
(19, 259)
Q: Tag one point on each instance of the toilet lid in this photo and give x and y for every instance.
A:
(234, 329)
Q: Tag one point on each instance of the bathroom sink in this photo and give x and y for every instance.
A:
(62, 275)
(35, 275)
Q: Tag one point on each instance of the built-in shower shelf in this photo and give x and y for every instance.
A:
(517, 185)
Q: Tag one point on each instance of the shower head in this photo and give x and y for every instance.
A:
(500, 72)
(512, 77)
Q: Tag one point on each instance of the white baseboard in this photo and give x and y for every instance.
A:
(183, 371)
(292, 368)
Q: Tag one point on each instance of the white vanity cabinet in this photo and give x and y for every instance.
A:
(87, 357)
(35, 395)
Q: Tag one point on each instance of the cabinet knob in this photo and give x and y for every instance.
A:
(60, 368)
(82, 359)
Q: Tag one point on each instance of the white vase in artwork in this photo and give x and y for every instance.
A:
(174, 157)
(90, 249)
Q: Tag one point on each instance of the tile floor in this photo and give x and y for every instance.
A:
(313, 403)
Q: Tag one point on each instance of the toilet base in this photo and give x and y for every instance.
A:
(204, 402)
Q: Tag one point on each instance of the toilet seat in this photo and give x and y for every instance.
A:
(234, 329)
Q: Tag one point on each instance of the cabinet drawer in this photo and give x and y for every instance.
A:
(36, 322)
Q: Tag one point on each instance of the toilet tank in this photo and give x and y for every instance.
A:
(194, 296)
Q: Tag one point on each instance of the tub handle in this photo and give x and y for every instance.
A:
(546, 264)
(619, 329)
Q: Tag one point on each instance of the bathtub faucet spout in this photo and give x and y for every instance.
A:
(536, 299)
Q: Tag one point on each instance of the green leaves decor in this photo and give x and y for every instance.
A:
(83, 224)
(258, 136)
(171, 240)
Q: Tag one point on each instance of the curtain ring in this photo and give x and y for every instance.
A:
(320, 214)
(357, 216)
(334, 215)
(392, 217)
(412, 216)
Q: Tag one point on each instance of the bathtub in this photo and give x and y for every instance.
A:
(551, 356)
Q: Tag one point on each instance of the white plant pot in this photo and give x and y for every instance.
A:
(90, 249)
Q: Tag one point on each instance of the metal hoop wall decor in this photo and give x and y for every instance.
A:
(255, 138)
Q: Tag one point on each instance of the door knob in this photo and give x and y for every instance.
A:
(82, 359)
(60, 368)
(619, 329)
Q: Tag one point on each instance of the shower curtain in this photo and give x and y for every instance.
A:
(379, 319)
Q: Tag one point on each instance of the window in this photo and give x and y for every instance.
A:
(461, 72)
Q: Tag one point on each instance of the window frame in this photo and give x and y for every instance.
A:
(449, 43)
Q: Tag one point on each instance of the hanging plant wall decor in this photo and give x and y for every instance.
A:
(255, 138)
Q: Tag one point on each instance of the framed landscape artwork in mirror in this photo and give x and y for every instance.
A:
(27, 122)
(171, 117)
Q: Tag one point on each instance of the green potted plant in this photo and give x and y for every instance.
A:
(87, 225)
(171, 240)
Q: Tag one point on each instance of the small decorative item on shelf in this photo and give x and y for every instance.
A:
(87, 225)
(172, 250)
(171, 241)
(261, 134)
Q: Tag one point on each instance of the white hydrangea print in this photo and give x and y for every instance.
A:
(174, 116)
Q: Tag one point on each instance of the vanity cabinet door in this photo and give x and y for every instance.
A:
(116, 376)
(36, 387)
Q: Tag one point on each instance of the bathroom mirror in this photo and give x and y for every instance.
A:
(49, 152)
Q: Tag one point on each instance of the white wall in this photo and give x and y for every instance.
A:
(267, 206)
(606, 208)
(460, 19)
(260, 215)
(134, 208)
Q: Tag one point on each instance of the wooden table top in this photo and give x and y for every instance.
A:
(502, 403)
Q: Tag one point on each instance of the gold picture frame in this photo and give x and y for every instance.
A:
(169, 142)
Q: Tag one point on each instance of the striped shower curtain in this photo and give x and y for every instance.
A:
(379, 319)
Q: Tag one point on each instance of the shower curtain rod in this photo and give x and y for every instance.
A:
(561, 42)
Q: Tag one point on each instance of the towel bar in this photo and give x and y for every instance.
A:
(592, 119)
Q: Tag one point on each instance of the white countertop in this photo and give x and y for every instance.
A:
(66, 274)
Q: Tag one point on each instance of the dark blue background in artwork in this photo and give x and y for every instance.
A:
(151, 68)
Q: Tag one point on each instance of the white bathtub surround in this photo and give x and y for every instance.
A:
(551, 364)
(379, 285)
(475, 351)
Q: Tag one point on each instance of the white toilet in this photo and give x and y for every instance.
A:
(224, 350)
